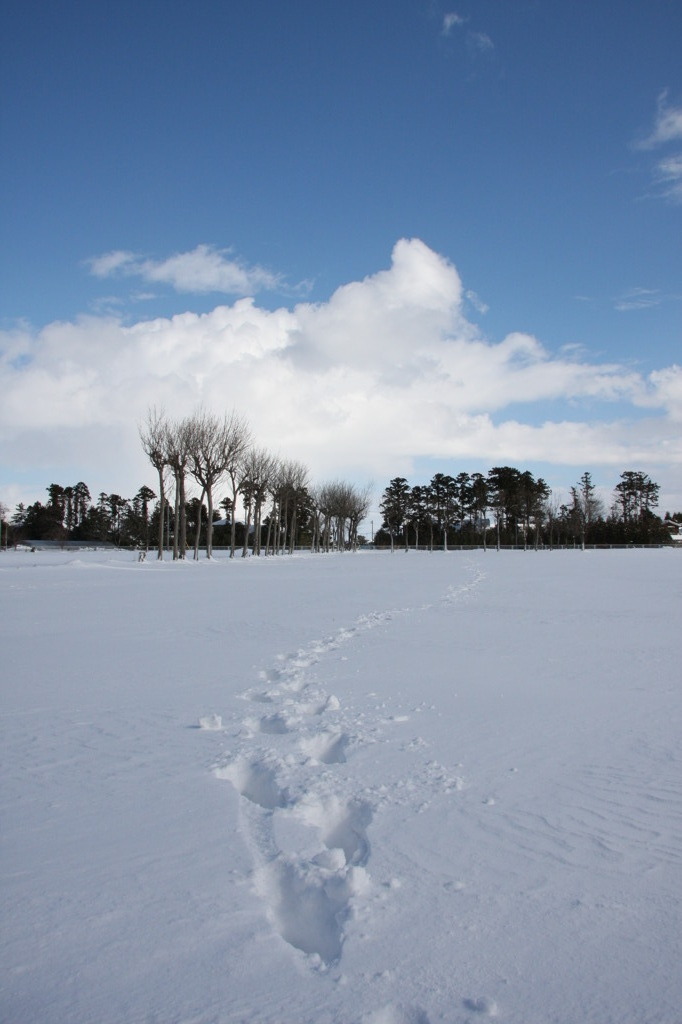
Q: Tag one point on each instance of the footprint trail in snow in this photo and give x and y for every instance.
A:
(305, 824)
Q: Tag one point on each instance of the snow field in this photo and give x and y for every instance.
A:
(364, 789)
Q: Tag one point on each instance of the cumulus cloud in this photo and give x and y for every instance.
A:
(388, 371)
(204, 269)
(665, 391)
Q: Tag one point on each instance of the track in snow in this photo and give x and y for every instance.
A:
(307, 833)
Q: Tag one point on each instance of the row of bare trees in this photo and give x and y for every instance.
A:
(205, 446)
(275, 493)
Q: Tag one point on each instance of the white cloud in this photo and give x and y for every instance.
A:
(671, 167)
(669, 174)
(386, 372)
(665, 391)
(667, 129)
(204, 269)
(479, 305)
(451, 20)
(638, 298)
(668, 124)
(643, 298)
(480, 42)
(111, 263)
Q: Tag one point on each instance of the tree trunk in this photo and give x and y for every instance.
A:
(162, 510)
(233, 515)
(209, 524)
(282, 513)
(292, 531)
(257, 505)
(183, 518)
(197, 536)
(247, 526)
(176, 516)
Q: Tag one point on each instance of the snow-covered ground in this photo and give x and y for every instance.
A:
(349, 789)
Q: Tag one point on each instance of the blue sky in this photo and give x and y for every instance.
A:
(168, 160)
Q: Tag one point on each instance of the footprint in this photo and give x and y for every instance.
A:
(275, 725)
(306, 903)
(326, 747)
(484, 1005)
(318, 707)
(342, 824)
(258, 697)
(295, 684)
(256, 781)
(309, 900)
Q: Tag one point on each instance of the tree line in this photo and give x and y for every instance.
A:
(510, 507)
(282, 509)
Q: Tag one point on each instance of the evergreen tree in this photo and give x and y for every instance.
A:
(586, 507)
(479, 504)
(503, 492)
(395, 507)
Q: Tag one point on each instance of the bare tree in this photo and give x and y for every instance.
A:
(339, 508)
(275, 490)
(334, 507)
(286, 485)
(216, 447)
(236, 442)
(205, 463)
(197, 533)
(295, 485)
(258, 468)
(178, 440)
(153, 438)
(317, 497)
(360, 500)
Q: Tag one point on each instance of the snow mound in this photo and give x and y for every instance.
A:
(213, 723)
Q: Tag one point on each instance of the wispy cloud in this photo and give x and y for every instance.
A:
(669, 177)
(667, 132)
(451, 20)
(644, 298)
(479, 305)
(480, 42)
(204, 269)
(111, 263)
(668, 124)
(638, 298)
